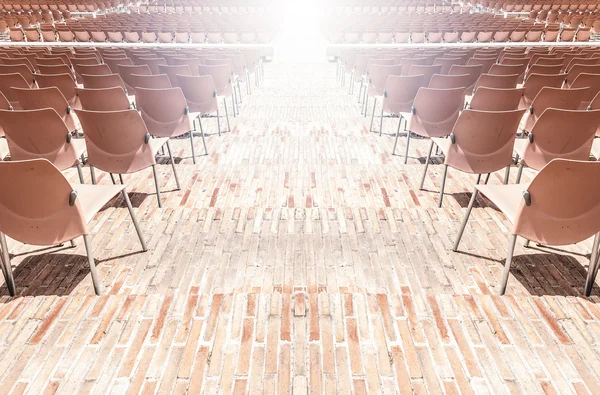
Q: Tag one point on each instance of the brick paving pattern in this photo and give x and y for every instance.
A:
(299, 257)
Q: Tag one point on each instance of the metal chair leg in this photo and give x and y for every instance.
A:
(426, 165)
(407, 145)
(366, 104)
(80, 173)
(192, 145)
(134, 220)
(589, 282)
(92, 263)
(93, 174)
(509, 256)
(172, 165)
(202, 135)
(507, 175)
(397, 135)
(112, 177)
(381, 122)
(487, 178)
(233, 105)
(6, 267)
(443, 186)
(519, 173)
(465, 220)
(226, 115)
(121, 179)
(373, 114)
(156, 185)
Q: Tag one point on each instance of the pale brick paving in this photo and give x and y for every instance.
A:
(299, 256)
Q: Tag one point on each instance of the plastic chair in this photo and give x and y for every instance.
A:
(173, 70)
(126, 71)
(566, 99)
(426, 71)
(113, 63)
(433, 114)
(201, 95)
(398, 97)
(104, 99)
(42, 208)
(447, 64)
(9, 81)
(91, 69)
(119, 143)
(166, 114)
(497, 81)
(480, 142)
(493, 99)
(592, 81)
(154, 81)
(535, 82)
(103, 81)
(577, 69)
(4, 105)
(58, 69)
(65, 84)
(54, 142)
(377, 75)
(440, 81)
(222, 78)
(19, 69)
(566, 134)
(560, 207)
(472, 71)
(152, 63)
(51, 97)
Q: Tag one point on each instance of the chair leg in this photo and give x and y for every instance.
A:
(478, 179)
(507, 175)
(134, 220)
(381, 121)
(487, 178)
(112, 177)
(93, 271)
(591, 276)
(226, 115)
(373, 114)
(407, 144)
(233, 105)
(192, 146)
(465, 220)
(73, 243)
(93, 174)
(443, 186)
(426, 165)
(366, 104)
(397, 135)
(172, 165)
(6, 267)
(80, 173)
(520, 173)
(509, 256)
(218, 123)
(202, 135)
(156, 185)
(121, 179)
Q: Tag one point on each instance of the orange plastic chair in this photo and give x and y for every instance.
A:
(119, 143)
(166, 114)
(398, 97)
(126, 71)
(222, 76)
(9, 81)
(19, 69)
(154, 81)
(566, 99)
(65, 84)
(497, 81)
(42, 208)
(4, 105)
(433, 114)
(440, 81)
(481, 142)
(105, 99)
(472, 71)
(57, 69)
(173, 70)
(560, 207)
(592, 81)
(426, 71)
(566, 134)
(201, 96)
(535, 82)
(37, 99)
(26, 140)
(103, 81)
(492, 99)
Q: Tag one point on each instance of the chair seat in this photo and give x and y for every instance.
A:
(443, 143)
(93, 197)
(506, 197)
(3, 149)
(521, 146)
(79, 146)
(156, 143)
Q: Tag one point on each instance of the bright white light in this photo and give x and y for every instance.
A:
(300, 38)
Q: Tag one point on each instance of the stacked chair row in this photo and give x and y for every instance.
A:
(528, 109)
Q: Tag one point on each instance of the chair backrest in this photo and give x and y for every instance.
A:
(153, 63)
(535, 82)
(407, 63)
(378, 75)
(192, 63)
(105, 99)
(64, 82)
(126, 71)
(50, 97)
(566, 99)
(440, 81)
(592, 81)
(35, 209)
(221, 75)
(400, 92)
(505, 69)
(483, 141)
(200, 93)
(117, 141)
(164, 111)
(28, 139)
(427, 71)
(566, 134)
(58, 69)
(92, 69)
(19, 69)
(577, 69)
(565, 204)
(173, 70)
(113, 63)
(8, 81)
(435, 111)
(542, 69)
(497, 81)
(447, 63)
(493, 99)
(154, 81)
(472, 71)
(485, 62)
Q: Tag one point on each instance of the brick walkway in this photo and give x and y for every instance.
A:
(300, 256)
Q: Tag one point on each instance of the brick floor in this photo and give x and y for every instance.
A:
(300, 256)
